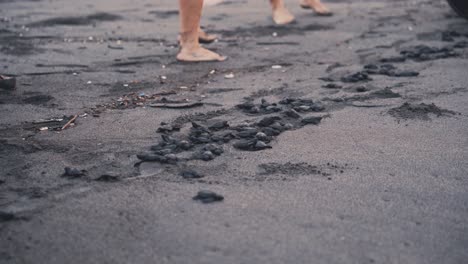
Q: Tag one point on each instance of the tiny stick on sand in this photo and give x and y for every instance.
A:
(69, 122)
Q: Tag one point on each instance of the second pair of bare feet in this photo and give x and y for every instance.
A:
(192, 35)
(282, 16)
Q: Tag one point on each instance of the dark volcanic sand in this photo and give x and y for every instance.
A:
(332, 178)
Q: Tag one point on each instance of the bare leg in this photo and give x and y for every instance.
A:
(281, 14)
(190, 14)
(317, 6)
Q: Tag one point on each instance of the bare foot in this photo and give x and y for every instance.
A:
(282, 16)
(198, 53)
(317, 6)
(204, 37)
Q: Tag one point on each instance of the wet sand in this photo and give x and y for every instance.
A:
(336, 139)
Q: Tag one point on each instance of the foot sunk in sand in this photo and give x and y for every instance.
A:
(282, 16)
(198, 53)
(189, 38)
(317, 6)
(206, 38)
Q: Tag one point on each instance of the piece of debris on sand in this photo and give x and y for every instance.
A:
(418, 111)
(6, 216)
(176, 105)
(7, 83)
(208, 197)
(134, 100)
(53, 124)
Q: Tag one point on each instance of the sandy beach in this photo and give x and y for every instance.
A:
(339, 139)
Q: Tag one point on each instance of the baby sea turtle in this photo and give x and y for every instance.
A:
(218, 125)
(248, 132)
(356, 77)
(262, 136)
(314, 120)
(191, 174)
(205, 155)
(151, 157)
(73, 172)
(268, 121)
(213, 148)
(292, 113)
(251, 145)
(260, 145)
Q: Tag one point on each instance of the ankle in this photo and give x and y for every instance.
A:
(276, 5)
(189, 40)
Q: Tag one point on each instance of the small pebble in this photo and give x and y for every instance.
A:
(107, 178)
(208, 197)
